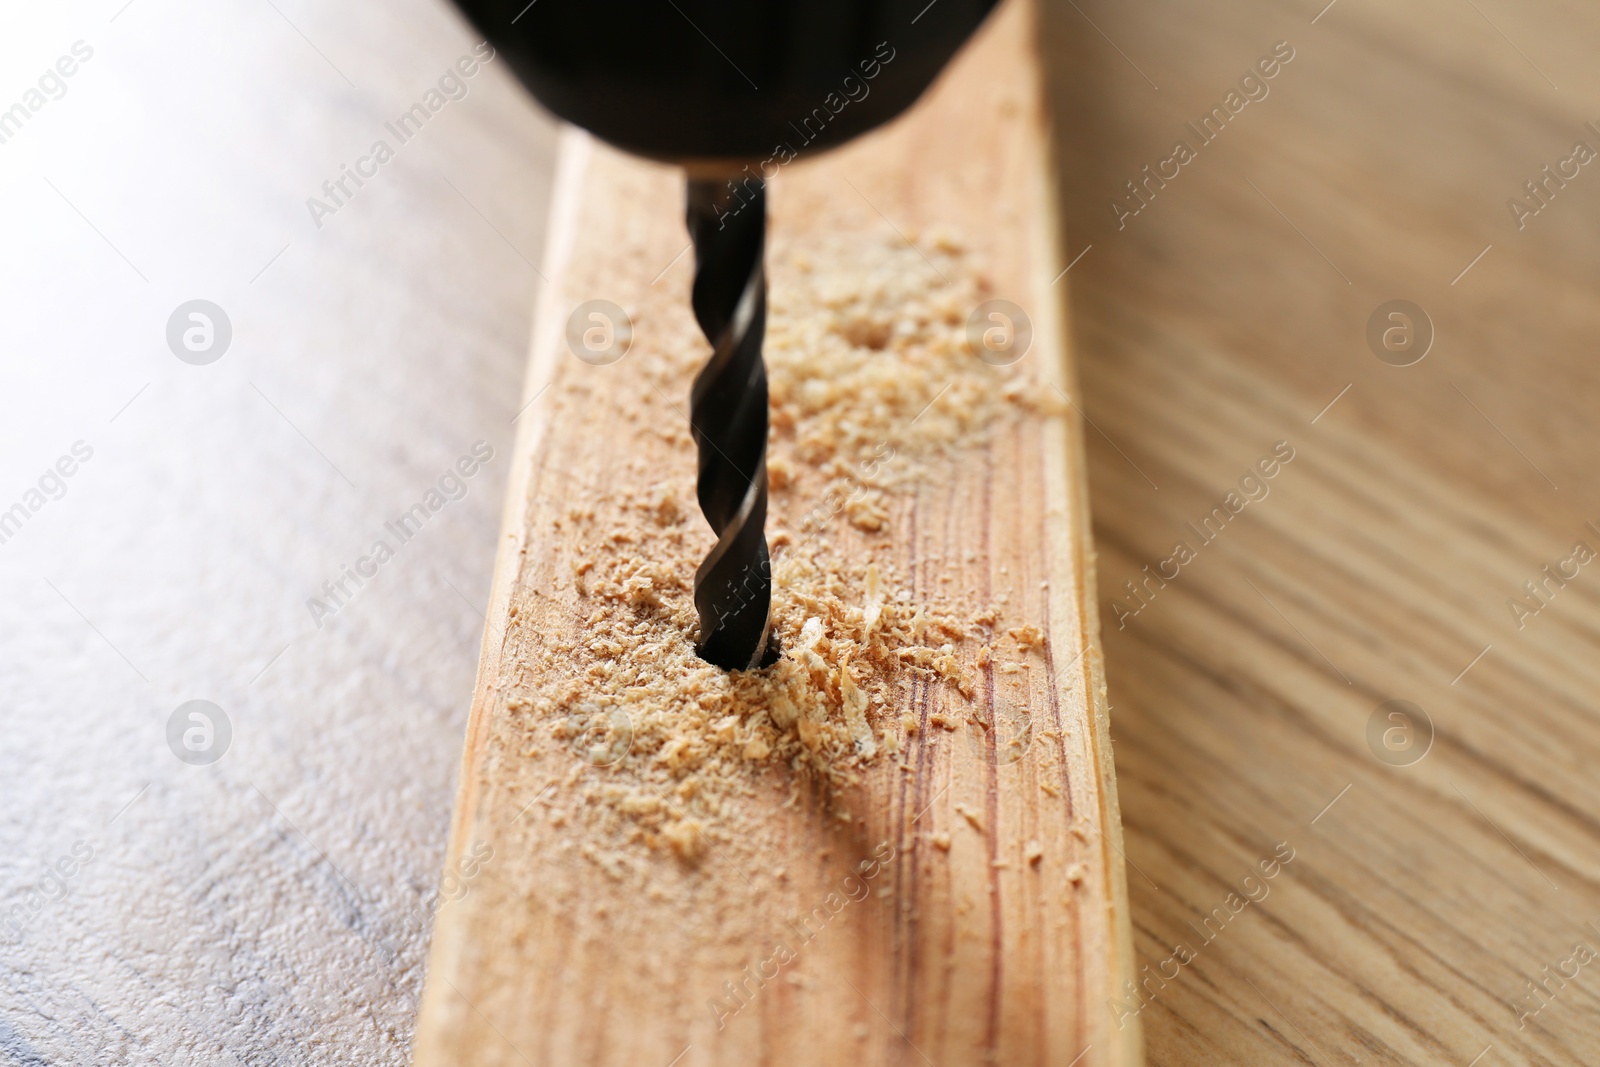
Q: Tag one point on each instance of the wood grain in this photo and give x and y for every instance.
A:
(211, 928)
(1224, 318)
(273, 906)
(1002, 946)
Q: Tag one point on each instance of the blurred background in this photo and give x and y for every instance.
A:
(226, 372)
(271, 906)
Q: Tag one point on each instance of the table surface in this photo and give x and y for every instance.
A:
(272, 906)
(1429, 883)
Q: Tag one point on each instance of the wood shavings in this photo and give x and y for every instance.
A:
(872, 387)
(874, 603)
(1027, 637)
(686, 838)
(855, 708)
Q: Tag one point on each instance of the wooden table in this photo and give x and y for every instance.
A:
(272, 907)
(264, 909)
(1230, 314)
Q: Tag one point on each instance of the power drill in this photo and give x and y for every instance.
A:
(729, 91)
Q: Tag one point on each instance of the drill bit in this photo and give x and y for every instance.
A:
(728, 417)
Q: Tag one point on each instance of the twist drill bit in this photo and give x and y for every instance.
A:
(655, 88)
(728, 417)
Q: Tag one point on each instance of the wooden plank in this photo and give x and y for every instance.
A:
(1428, 890)
(902, 841)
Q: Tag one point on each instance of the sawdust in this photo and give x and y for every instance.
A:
(871, 384)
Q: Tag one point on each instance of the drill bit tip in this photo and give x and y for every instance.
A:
(728, 418)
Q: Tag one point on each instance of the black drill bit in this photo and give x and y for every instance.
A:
(657, 90)
(728, 416)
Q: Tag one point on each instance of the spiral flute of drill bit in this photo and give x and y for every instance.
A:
(728, 416)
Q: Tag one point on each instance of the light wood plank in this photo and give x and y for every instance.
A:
(617, 905)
